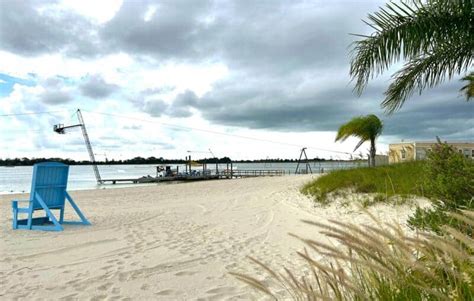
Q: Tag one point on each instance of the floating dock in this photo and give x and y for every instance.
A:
(226, 174)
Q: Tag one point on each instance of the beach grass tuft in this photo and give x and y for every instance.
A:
(378, 263)
(401, 180)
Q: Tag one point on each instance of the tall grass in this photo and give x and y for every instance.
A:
(379, 263)
(399, 179)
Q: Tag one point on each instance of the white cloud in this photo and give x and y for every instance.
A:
(150, 12)
(99, 10)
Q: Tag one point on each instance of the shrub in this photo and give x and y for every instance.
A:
(449, 177)
(449, 182)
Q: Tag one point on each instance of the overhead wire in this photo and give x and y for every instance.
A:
(216, 132)
(183, 128)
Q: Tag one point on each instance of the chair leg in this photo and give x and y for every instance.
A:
(61, 215)
(15, 215)
(51, 216)
(30, 216)
(78, 211)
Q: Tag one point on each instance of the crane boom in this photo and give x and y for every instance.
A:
(60, 129)
(89, 147)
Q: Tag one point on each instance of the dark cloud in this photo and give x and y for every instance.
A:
(56, 92)
(173, 31)
(439, 112)
(95, 86)
(180, 108)
(55, 97)
(282, 37)
(182, 105)
(155, 107)
(35, 27)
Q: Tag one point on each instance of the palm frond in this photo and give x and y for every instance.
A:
(363, 127)
(407, 31)
(468, 89)
(359, 144)
(427, 71)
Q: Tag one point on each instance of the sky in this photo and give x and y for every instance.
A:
(242, 79)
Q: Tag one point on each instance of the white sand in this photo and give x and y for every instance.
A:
(170, 242)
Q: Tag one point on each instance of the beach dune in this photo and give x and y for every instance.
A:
(176, 241)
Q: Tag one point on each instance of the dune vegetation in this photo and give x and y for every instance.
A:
(378, 263)
(401, 179)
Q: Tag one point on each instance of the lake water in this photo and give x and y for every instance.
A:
(18, 179)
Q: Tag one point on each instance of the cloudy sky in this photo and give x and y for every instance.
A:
(246, 79)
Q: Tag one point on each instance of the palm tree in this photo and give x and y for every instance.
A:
(468, 89)
(433, 37)
(367, 128)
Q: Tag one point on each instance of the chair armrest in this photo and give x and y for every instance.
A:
(15, 203)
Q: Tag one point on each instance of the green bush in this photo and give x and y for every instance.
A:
(449, 182)
(449, 177)
(434, 219)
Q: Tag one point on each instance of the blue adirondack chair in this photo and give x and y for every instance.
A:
(48, 192)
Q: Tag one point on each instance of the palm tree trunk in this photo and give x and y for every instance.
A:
(372, 152)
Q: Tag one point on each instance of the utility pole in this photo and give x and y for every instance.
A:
(61, 129)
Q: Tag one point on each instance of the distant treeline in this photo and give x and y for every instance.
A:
(141, 160)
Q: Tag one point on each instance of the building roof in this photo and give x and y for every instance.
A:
(433, 142)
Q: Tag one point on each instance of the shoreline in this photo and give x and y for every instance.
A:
(159, 242)
(134, 185)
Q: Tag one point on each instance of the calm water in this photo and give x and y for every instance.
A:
(18, 179)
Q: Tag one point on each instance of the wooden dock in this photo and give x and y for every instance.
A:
(227, 174)
(257, 173)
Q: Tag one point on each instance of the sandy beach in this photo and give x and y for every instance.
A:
(169, 242)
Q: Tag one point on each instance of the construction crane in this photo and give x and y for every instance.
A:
(212, 153)
(305, 161)
(61, 129)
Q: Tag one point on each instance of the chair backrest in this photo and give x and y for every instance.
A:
(50, 182)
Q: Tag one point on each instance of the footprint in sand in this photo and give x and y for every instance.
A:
(185, 273)
(165, 293)
(123, 277)
(99, 297)
(107, 267)
(221, 290)
(231, 266)
(105, 287)
(145, 287)
(69, 297)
